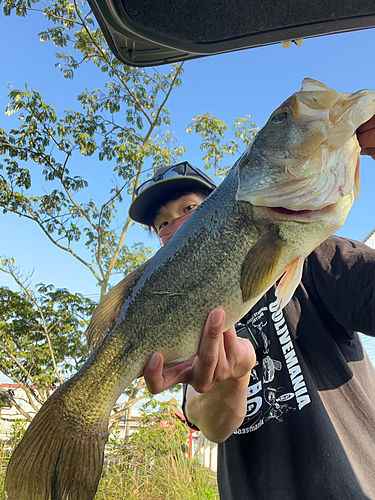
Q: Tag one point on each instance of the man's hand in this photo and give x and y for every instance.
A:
(366, 137)
(221, 356)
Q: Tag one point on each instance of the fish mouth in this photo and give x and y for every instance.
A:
(288, 212)
(302, 215)
(310, 215)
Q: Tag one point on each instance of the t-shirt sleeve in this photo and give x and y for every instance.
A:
(184, 389)
(343, 274)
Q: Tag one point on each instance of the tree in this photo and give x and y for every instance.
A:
(43, 342)
(41, 335)
(214, 145)
(125, 126)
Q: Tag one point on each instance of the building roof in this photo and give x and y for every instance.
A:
(370, 240)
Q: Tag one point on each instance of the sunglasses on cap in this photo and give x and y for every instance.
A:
(180, 170)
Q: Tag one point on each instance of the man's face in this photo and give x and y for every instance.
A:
(175, 209)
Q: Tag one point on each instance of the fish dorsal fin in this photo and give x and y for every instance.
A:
(260, 264)
(289, 282)
(108, 310)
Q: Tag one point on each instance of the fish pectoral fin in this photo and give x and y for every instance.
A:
(260, 264)
(289, 282)
(105, 315)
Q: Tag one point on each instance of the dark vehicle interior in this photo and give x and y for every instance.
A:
(143, 33)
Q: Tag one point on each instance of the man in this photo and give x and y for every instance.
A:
(298, 422)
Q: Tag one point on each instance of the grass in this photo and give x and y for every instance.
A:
(167, 478)
(149, 465)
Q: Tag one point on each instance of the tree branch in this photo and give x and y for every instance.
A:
(108, 61)
(45, 329)
(19, 408)
(78, 207)
(136, 183)
(66, 249)
(117, 416)
(20, 365)
(30, 398)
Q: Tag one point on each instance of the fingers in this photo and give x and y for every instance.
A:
(221, 356)
(368, 152)
(241, 357)
(238, 350)
(152, 373)
(370, 124)
(159, 380)
(366, 138)
(209, 352)
(230, 344)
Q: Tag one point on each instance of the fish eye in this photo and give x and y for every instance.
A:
(280, 117)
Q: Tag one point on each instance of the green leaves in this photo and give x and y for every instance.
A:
(161, 429)
(41, 332)
(20, 7)
(214, 145)
(52, 145)
(123, 123)
(245, 130)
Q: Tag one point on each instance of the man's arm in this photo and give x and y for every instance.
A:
(218, 378)
(220, 411)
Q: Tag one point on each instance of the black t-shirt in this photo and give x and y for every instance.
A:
(309, 432)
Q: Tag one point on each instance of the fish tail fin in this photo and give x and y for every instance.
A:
(57, 459)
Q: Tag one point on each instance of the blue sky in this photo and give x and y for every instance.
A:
(251, 82)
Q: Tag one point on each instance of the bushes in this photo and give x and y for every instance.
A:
(149, 465)
(168, 477)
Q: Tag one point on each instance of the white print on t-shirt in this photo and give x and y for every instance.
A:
(266, 402)
(277, 405)
(259, 328)
(269, 364)
(269, 367)
(290, 356)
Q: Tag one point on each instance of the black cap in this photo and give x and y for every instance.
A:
(158, 190)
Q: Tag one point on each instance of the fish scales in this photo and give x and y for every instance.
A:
(292, 189)
(186, 270)
(168, 291)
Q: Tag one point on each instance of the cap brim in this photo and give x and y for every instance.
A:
(155, 194)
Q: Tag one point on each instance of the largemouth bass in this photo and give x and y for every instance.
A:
(292, 189)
